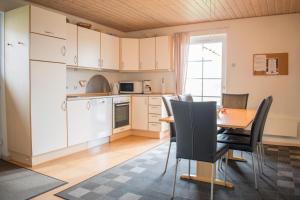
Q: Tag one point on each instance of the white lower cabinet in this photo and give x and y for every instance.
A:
(89, 120)
(78, 121)
(139, 113)
(48, 107)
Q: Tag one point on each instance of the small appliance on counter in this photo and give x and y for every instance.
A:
(131, 87)
(147, 87)
(115, 88)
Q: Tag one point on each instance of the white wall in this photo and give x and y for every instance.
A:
(258, 35)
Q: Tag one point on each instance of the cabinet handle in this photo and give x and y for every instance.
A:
(75, 59)
(101, 63)
(64, 106)
(48, 32)
(88, 105)
(10, 44)
(22, 43)
(63, 50)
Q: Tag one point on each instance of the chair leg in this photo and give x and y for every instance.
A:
(254, 170)
(189, 168)
(258, 159)
(261, 158)
(263, 152)
(174, 183)
(167, 158)
(222, 163)
(225, 173)
(212, 181)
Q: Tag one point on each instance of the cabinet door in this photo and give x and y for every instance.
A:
(129, 54)
(44, 48)
(71, 54)
(78, 121)
(47, 23)
(109, 52)
(147, 54)
(48, 107)
(88, 48)
(164, 52)
(140, 113)
(100, 118)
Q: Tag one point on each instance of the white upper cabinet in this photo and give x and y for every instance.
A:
(48, 23)
(88, 48)
(71, 54)
(129, 57)
(147, 54)
(164, 52)
(109, 52)
(44, 48)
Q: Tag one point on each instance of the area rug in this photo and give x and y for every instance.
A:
(141, 179)
(17, 183)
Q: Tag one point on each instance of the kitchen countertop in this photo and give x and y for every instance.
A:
(82, 96)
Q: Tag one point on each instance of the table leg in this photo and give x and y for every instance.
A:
(204, 173)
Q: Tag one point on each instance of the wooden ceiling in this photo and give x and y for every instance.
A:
(133, 15)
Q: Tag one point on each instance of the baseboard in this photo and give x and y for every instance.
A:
(120, 135)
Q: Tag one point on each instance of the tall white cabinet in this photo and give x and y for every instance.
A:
(35, 82)
(129, 54)
(147, 53)
(71, 43)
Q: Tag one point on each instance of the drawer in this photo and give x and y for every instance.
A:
(154, 118)
(155, 109)
(155, 101)
(155, 127)
(55, 50)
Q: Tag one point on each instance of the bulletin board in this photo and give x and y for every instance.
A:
(270, 64)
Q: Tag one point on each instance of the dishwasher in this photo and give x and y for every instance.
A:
(100, 118)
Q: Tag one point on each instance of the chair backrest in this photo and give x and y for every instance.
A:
(196, 128)
(187, 98)
(167, 103)
(269, 101)
(237, 101)
(258, 123)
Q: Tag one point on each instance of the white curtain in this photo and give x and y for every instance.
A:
(181, 53)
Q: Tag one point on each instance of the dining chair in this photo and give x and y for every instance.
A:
(236, 101)
(187, 98)
(167, 103)
(247, 144)
(196, 128)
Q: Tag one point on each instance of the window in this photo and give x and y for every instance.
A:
(204, 73)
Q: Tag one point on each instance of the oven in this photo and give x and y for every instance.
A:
(121, 113)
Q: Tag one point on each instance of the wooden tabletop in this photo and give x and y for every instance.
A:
(230, 118)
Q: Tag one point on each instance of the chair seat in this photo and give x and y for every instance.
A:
(235, 142)
(238, 131)
(222, 148)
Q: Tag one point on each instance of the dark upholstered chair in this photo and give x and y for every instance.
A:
(236, 101)
(196, 129)
(167, 103)
(247, 144)
(187, 98)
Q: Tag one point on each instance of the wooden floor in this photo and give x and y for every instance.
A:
(80, 166)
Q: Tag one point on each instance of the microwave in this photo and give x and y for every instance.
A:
(131, 87)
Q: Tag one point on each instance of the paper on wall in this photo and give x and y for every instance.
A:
(272, 66)
(260, 63)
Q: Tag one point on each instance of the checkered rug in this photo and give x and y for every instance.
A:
(141, 179)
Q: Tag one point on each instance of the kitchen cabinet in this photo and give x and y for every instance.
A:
(78, 121)
(48, 106)
(147, 54)
(109, 52)
(88, 48)
(71, 44)
(89, 119)
(55, 51)
(163, 52)
(47, 23)
(35, 79)
(140, 112)
(157, 111)
(129, 54)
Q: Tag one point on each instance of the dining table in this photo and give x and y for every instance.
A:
(226, 118)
